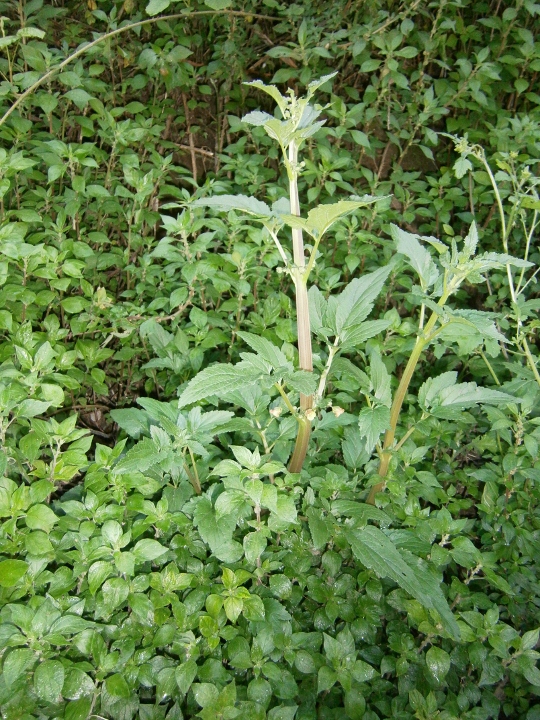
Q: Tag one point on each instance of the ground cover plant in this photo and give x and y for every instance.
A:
(269, 360)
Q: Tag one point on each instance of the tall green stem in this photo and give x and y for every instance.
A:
(302, 315)
(399, 397)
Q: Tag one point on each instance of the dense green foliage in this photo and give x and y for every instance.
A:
(158, 560)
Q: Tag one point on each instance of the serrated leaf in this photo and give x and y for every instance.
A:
(376, 551)
(373, 421)
(302, 381)
(380, 379)
(267, 350)
(243, 203)
(133, 421)
(142, 456)
(257, 118)
(354, 336)
(348, 309)
(462, 166)
(419, 258)
(321, 218)
(217, 380)
(270, 90)
(217, 532)
(469, 394)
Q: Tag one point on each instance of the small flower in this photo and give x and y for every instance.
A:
(337, 410)
(276, 412)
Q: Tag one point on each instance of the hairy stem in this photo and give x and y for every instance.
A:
(389, 437)
(302, 314)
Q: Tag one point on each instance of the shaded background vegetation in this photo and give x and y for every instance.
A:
(108, 294)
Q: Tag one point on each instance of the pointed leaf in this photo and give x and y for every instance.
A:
(373, 421)
(215, 380)
(348, 309)
(376, 551)
(419, 258)
(243, 203)
(267, 350)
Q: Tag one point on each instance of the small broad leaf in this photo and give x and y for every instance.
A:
(438, 662)
(185, 674)
(155, 7)
(218, 4)
(49, 679)
(462, 166)
(376, 551)
(243, 203)
(257, 118)
(11, 571)
(419, 258)
(326, 679)
(148, 550)
(117, 687)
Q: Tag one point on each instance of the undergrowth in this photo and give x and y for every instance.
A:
(269, 415)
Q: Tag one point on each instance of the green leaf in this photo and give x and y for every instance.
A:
(376, 551)
(326, 679)
(217, 532)
(254, 545)
(205, 694)
(148, 550)
(380, 379)
(438, 662)
(31, 408)
(16, 664)
(320, 532)
(348, 309)
(133, 421)
(282, 712)
(373, 421)
(117, 687)
(49, 680)
(41, 517)
(142, 456)
(354, 336)
(155, 7)
(462, 166)
(11, 571)
(267, 350)
(419, 258)
(243, 203)
(443, 391)
(216, 380)
(185, 674)
(302, 381)
(321, 218)
(98, 572)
